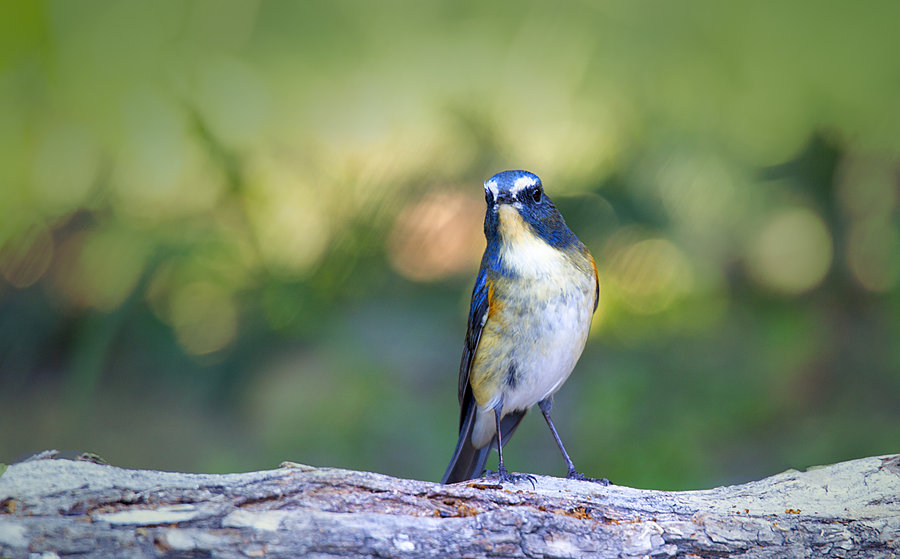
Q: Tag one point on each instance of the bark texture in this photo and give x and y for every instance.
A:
(62, 507)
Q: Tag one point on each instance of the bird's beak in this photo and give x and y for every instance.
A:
(505, 198)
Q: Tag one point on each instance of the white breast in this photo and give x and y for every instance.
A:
(524, 253)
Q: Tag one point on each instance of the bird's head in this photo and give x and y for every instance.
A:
(517, 205)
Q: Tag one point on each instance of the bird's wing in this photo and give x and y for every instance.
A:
(478, 312)
(596, 282)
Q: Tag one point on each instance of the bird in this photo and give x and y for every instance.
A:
(534, 297)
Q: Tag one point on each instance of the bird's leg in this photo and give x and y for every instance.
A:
(545, 406)
(502, 473)
(501, 469)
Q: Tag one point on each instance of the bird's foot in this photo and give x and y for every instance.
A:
(581, 477)
(504, 476)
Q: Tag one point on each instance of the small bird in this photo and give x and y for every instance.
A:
(528, 322)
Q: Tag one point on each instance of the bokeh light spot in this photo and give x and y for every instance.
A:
(152, 155)
(697, 191)
(100, 268)
(792, 252)
(437, 237)
(873, 254)
(291, 220)
(649, 274)
(867, 186)
(204, 317)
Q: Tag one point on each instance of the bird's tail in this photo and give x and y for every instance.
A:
(468, 462)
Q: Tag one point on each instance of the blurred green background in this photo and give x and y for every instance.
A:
(234, 233)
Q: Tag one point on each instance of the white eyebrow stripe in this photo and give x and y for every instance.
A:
(492, 186)
(522, 183)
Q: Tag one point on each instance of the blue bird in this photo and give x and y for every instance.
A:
(528, 322)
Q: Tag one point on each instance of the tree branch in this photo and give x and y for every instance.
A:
(851, 509)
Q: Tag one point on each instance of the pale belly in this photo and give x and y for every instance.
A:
(547, 340)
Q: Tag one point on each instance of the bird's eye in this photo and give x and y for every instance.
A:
(536, 195)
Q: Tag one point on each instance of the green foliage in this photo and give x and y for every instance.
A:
(234, 233)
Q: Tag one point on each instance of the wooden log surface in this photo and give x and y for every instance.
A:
(51, 507)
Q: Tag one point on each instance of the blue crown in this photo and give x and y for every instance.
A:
(512, 180)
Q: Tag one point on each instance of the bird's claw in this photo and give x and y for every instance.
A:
(504, 476)
(581, 477)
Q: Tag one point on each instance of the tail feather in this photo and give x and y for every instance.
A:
(468, 462)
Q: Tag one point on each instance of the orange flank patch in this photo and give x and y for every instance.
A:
(483, 376)
(493, 302)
